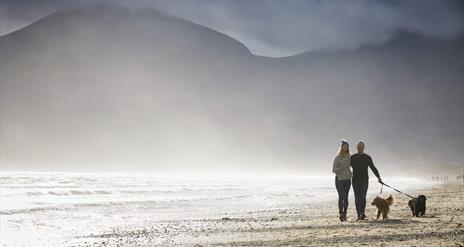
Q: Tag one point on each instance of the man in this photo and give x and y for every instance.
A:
(360, 181)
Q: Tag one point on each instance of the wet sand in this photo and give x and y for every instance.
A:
(316, 224)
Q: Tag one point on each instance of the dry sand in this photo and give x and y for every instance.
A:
(313, 225)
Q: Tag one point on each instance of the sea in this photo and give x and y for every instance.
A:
(53, 208)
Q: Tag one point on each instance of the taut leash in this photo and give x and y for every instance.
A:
(395, 190)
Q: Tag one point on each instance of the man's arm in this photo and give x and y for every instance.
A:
(374, 169)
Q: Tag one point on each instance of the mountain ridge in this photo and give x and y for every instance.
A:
(399, 36)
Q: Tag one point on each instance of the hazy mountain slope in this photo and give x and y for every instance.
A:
(110, 88)
(405, 96)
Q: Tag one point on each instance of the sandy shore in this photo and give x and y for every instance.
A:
(313, 225)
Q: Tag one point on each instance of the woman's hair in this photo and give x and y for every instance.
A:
(340, 150)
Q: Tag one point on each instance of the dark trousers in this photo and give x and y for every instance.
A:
(343, 188)
(360, 190)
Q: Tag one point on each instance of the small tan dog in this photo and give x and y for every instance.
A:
(383, 206)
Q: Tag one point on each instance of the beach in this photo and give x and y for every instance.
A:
(315, 225)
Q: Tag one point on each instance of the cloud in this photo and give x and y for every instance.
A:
(279, 28)
(282, 28)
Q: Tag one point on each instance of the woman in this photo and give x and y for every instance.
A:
(341, 168)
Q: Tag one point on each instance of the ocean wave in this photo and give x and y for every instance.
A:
(34, 193)
(39, 186)
(233, 197)
(102, 192)
(58, 193)
(75, 206)
(139, 203)
(79, 192)
(26, 210)
(75, 191)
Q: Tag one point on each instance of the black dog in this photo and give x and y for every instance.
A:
(417, 205)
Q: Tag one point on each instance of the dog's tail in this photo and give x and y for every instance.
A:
(390, 200)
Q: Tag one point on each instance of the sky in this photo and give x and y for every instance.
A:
(282, 28)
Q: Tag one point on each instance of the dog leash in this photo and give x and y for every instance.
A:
(395, 190)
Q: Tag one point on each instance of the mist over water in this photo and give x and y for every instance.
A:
(109, 88)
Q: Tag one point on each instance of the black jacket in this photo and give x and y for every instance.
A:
(360, 163)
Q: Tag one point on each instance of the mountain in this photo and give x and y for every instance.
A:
(113, 88)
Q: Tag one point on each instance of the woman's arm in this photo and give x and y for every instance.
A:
(336, 163)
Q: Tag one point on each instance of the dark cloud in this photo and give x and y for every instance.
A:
(280, 28)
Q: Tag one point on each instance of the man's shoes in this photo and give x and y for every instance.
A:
(361, 217)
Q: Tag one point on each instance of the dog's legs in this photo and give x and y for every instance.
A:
(378, 214)
(385, 214)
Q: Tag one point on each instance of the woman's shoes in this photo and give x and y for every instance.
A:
(342, 217)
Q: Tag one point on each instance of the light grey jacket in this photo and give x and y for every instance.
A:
(341, 167)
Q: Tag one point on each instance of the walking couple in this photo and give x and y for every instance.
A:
(359, 178)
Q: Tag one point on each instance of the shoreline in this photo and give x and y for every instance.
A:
(315, 224)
